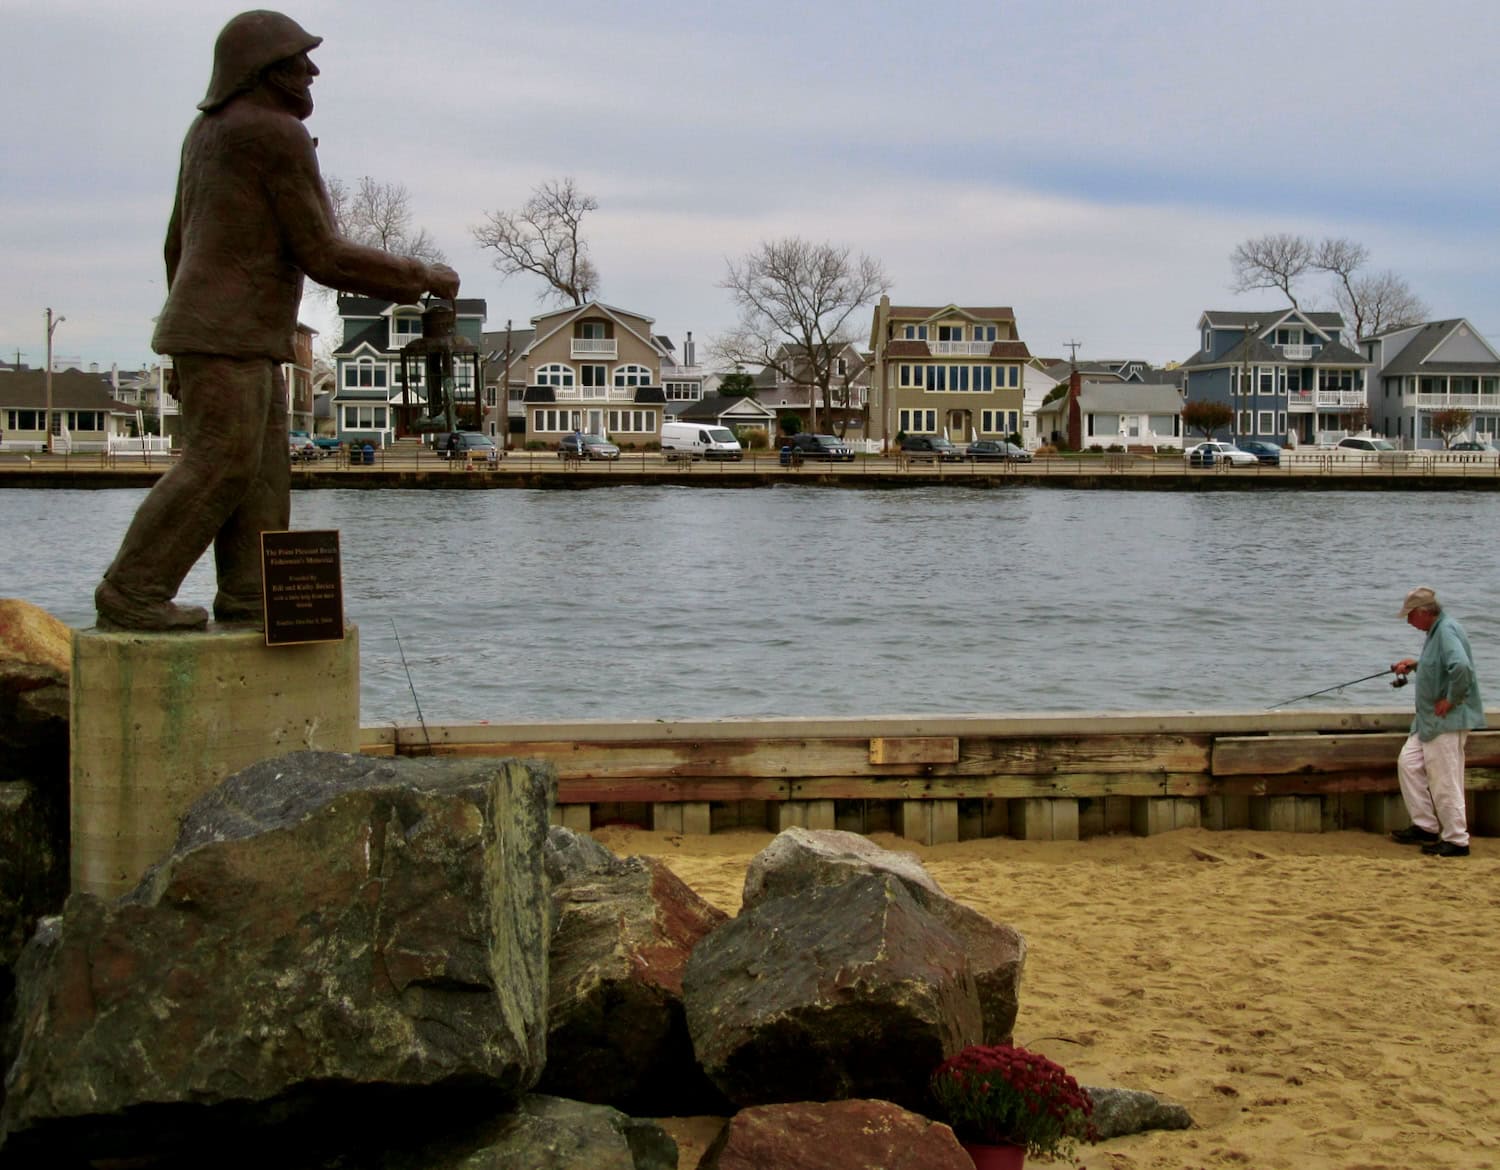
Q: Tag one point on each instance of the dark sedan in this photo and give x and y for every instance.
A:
(805, 446)
(997, 451)
(1264, 450)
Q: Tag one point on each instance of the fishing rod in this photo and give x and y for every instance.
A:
(1399, 681)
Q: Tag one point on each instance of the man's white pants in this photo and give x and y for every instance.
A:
(1432, 784)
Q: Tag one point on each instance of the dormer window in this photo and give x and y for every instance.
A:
(915, 333)
(1289, 337)
(405, 329)
(1208, 340)
(595, 330)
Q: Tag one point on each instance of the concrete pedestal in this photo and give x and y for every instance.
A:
(159, 719)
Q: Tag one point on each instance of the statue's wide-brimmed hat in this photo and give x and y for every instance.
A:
(247, 45)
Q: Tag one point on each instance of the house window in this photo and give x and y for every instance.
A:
(683, 391)
(1281, 422)
(917, 422)
(364, 375)
(556, 374)
(915, 333)
(364, 418)
(1012, 376)
(23, 420)
(591, 329)
(489, 396)
(593, 379)
(841, 368)
(1266, 423)
(958, 379)
(632, 376)
(950, 333)
(405, 329)
(984, 333)
(556, 420)
(984, 379)
(633, 421)
(1208, 338)
(1266, 380)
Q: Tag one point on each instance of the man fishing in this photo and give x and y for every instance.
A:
(1431, 764)
(251, 217)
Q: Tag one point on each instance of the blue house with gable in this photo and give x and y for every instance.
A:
(1286, 374)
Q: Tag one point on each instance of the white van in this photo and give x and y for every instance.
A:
(681, 440)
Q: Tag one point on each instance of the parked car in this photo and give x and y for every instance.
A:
(1264, 450)
(689, 440)
(469, 445)
(586, 447)
(1473, 445)
(1360, 443)
(997, 451)
(328, 444)
(930, 447)
(1217, 451)
(806, 446)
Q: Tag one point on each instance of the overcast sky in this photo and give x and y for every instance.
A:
(1089, 164)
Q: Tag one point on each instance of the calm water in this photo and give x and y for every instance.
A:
(671, 602)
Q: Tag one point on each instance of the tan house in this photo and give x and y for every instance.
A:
(593, 368)
(945, 370)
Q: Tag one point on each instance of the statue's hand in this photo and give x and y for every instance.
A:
(442, 280)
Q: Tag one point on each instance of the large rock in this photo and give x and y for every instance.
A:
(616, 1030)
(35, 666)
(326, 926)
(549, 1133)
(804, 859)
(836, 1135)
(851, 990)
(1118, 1112)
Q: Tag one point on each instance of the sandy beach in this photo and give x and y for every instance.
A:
(1317, 1001)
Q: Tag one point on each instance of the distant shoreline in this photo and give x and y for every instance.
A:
(542, 470)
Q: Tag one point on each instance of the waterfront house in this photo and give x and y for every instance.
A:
(505, 383)
(1434, 366)
(789, 387)
(1287, 375)
(740, 413)
(594, 368)
(85, 413)
(946, 370)
(371, 402)
(1113, 414)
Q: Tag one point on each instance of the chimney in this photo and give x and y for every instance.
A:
(687, 350)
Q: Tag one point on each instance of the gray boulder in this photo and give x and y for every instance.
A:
(805, 859)
(569, 854)
(845, 991)
(616, 1030)
(1118, 1112)
(550, 1133)
(328, 930)
(834, 1135)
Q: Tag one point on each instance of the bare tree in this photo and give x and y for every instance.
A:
(379, 215)
(1278, 260)
(545, 238)
(1380, 301)
(1370, 302)
(795, 299)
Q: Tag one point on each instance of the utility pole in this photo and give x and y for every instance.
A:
(1073, 345)
(1251, 327)
(47, 420)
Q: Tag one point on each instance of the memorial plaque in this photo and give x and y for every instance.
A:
(304, 585)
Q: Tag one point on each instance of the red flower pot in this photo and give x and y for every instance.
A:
(996, 1157)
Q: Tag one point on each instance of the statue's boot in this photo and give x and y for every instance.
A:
(118, 610)
(239, 610)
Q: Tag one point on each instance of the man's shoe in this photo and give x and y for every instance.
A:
(118, 611)
(1445, 849)
(1414, 835)
(228, 611)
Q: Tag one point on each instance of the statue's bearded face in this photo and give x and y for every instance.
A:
(292, 79)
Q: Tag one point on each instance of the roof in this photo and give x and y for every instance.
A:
(71, 390)
(1120, 398)
(1415, 358)
(923, 312)
(1236, 319)
(715, 406)
(1261, 352)
(492, 344)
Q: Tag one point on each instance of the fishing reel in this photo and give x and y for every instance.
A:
(1400, 680)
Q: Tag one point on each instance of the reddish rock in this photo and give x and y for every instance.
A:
(836, 1135)
(617, 1034)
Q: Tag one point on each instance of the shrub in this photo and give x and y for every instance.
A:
(998, 1094)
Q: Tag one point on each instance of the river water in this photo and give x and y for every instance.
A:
(670, 602)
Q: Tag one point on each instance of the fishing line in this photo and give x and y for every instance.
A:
(412, 685)
(1399, 681)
